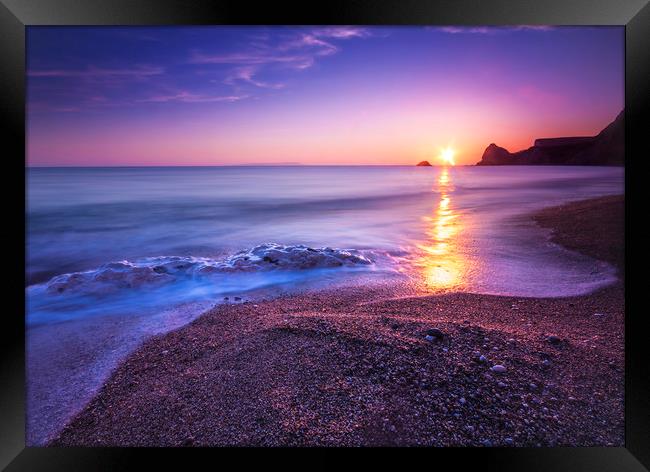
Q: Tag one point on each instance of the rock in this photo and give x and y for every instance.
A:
(553, 340)
(498, 368)
(486, 443)
(237, 299)
(435, 332)
(546, 363)
(429, 338)
(509, 441)
(423, 164)
(606, 148)
(482, 359)
(462, 401)
(502, 385)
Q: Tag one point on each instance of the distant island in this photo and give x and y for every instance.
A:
(423, 164)
(607, 148)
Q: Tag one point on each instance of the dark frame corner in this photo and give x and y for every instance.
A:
(15, 15)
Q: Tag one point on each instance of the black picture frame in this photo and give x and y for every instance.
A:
(15, 15)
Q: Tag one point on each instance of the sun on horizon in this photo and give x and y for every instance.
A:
(447, 156)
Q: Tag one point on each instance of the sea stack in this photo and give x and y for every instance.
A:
(423, 164)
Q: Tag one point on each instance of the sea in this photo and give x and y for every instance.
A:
(116, 255)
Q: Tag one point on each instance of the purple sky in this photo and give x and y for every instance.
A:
(312, 95)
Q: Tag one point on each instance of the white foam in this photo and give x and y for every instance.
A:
(156, 271)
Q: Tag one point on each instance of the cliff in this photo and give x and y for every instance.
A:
(607, 148)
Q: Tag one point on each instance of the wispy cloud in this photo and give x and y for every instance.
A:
(297, 50)
(93, 72)
(188, 97)
(247, 74)
(263, 60)
(489, 29)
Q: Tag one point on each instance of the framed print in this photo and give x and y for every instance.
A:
(370, 225)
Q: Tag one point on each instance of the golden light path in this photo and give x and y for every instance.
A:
(441, 263)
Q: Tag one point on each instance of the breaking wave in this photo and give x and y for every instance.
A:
(153, 271)
(149, 284)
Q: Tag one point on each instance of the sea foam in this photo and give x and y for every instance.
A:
(155, 271)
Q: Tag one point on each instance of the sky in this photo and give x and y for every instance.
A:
(341, 95)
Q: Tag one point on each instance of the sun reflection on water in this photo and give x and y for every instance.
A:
(441, 264)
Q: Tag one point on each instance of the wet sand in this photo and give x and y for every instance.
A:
(354, 367)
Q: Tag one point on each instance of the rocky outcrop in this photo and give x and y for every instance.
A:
(607, 148)
(424, 164)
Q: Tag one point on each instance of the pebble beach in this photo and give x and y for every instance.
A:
(377, 366)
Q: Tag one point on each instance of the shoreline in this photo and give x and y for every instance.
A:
(353, 367)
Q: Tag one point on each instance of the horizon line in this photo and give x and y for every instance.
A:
(235, 165)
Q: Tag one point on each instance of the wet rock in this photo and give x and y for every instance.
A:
(436, 333)
(554, 340)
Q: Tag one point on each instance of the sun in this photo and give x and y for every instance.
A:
(447, 156)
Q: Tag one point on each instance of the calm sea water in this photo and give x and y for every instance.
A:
(151, 248)
(454, 228)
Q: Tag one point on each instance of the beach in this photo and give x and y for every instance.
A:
(377, 366)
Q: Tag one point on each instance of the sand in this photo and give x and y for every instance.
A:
(354, 367)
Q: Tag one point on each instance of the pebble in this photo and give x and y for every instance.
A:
(502, 385)
(509, 441)
(498, 368)
(546, 363)
(487, 443)
(429, 338)
(435, 332)
(462, 401)
(553, 340)
(482, 359)
(599, 314)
